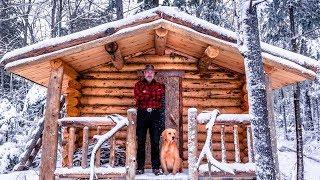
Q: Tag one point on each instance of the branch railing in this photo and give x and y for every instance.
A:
(222, 121)
(86, 124)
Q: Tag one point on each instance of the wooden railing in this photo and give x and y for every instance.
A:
(222, 121)
(98, 123)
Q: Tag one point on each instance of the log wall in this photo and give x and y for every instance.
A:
(106, 90)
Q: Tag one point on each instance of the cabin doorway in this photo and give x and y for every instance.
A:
(172, 108)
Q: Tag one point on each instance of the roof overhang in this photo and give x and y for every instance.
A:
(187, 34)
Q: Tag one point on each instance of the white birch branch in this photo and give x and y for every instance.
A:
(120, 122)
(206, 150)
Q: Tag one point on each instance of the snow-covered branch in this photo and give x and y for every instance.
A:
(120, 123)
(206, 150)
(257, 2)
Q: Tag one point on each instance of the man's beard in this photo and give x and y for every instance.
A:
(149, 79)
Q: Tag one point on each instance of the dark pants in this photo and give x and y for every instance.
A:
(148, 120)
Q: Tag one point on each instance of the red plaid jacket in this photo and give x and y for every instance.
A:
(148, 95)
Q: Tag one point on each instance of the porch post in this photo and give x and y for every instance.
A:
(50, 132)
(272, 125)
(131, 145)
(192, 143)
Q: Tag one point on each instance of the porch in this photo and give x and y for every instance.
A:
(236, 154)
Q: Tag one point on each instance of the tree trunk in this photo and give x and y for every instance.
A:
(251, 51)
(308, 113)
(298, 132)
(283, 105)
(296, 95)
(59, 19)
(53, 18)
(119, 9)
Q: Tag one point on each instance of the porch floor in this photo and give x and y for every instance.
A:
(149, 175)
(184, 175)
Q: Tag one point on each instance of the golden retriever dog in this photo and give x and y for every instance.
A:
(169, 155)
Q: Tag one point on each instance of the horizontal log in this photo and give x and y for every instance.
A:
(104, 109)
(72, 92)
(226, 122)
(217, 155)
(107, 83)
(72, 111)
(97, 114)
(212, 93)
(211, 84)
(110, 75)
(120, 135)
(214, 146)
(72, 101)
(215, 129)
(117, 92)
(203, 102)
(140, 67)
(245, 159)
(244, 88)
(211, 52)
(81, 175)
(245, 97)
(155, 59)
(92, 100)
(223, 110)
(85, 121)
(74, 84)
(214, 75)
(215, 137)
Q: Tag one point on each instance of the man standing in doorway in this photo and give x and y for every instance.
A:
(148, 95)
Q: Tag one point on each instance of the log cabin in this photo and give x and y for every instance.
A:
(199, 64)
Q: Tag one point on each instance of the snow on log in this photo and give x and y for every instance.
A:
(205, 116)
(86, 121)
(206, 151)
(236, 167)
(80, 171)
(120, 123)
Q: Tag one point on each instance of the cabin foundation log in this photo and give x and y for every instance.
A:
(50, 134)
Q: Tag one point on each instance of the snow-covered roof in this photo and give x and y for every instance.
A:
(165, 17)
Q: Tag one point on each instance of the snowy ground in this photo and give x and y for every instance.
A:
(22, 175)
(287, 162)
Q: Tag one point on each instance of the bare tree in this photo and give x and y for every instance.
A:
(296, 95)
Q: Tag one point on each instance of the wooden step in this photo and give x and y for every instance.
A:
(101, 172)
